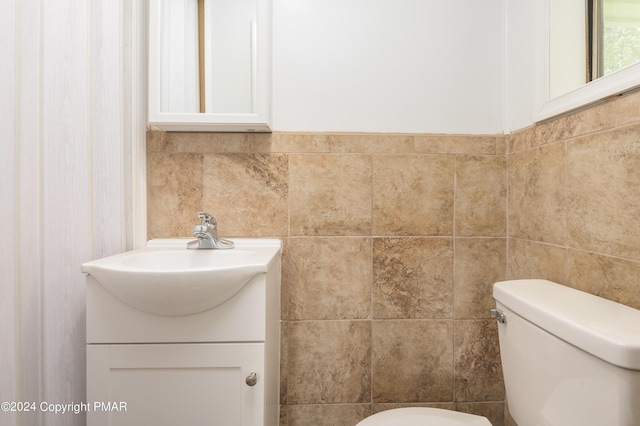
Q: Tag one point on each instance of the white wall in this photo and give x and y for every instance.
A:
(66, 179)
(567, 47)
(527, 62)
(388, 66)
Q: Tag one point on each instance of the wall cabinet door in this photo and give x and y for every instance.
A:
(175, 384)
(209, 66)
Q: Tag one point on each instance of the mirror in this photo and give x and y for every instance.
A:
(208, 65)
(594, 52)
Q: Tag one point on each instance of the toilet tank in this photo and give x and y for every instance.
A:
(569, 358)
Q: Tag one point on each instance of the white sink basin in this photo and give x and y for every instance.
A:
(165, 278)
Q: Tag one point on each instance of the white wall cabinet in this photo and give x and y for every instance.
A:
(176, 384)
(209, 65)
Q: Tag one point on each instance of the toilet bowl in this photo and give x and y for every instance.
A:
(422, 416)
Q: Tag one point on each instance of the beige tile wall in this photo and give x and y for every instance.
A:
(391, 242)
(574, 200)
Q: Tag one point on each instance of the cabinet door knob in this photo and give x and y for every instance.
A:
(252, 379)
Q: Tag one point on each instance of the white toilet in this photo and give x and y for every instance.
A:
(569, 359)
(422, 416)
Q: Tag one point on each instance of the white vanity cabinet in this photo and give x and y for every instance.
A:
(209, 65)
(215, 367)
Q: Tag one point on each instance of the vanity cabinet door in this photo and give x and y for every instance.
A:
(175, 384)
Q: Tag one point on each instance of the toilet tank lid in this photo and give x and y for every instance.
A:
(601, 327)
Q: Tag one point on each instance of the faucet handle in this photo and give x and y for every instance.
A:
(207, 219)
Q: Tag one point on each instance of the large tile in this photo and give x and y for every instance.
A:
(536, 206)
(412, 361)
(174, 194)
(328, 277)
(481, 196)
(528, 259)
(247, 193)
(479, 262)
(413, 195)
(609, 277)
(330, 194)
(329, 362)
(413, 277)
(603, 180)
(327, 414)
(478, 370)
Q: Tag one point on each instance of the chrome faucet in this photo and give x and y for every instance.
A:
(207, 235)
